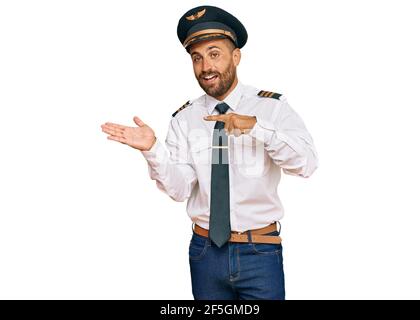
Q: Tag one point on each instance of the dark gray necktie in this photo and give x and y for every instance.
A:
(219, 230)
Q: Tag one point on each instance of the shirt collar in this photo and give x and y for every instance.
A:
(232, 100)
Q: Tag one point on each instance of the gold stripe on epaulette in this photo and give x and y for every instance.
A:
(269, 94)
(186, 104)
(261, 93)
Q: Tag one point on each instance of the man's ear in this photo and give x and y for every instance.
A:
(236, 54)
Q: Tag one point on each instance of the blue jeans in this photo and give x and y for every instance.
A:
(244, 271)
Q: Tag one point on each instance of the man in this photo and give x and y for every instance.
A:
(226, 152)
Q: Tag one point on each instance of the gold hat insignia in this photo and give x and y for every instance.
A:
(196, 16)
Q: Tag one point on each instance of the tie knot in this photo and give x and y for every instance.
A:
(222, 108)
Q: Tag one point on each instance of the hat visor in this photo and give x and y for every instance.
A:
(204, 38)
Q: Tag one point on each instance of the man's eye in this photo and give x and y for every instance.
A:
(195, 59)
(214, 55)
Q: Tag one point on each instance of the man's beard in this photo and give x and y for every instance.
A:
(224, 81)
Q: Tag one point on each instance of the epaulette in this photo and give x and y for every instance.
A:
(269, 94)
(186, 104)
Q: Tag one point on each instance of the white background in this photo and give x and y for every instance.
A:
(79, 216)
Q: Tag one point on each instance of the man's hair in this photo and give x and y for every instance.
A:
(231, 45)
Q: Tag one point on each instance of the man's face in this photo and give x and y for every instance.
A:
(214, 63)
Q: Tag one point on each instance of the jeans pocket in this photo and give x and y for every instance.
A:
(267, 248)
(198, 247)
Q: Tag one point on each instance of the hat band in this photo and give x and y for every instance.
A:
(207, 33)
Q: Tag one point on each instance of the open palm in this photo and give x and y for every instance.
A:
(141, 137)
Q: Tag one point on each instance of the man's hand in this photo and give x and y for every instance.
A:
(235, 123)
(141, 137)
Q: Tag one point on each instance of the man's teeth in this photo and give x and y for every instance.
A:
(210, 77)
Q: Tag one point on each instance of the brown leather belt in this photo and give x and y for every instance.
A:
(256, 235)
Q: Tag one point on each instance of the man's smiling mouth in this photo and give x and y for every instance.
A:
(210, 78)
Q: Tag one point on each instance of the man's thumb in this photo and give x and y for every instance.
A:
(138, 121)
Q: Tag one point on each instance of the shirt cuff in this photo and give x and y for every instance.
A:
(263, 131)
(156, 153)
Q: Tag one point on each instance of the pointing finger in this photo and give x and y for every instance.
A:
(219, 117)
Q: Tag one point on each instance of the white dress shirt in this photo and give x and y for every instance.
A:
(278, 141)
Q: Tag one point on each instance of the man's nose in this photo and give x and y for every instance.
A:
(206, 65)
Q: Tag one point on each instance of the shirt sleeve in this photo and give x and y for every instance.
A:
(171, 167)
(287, 141)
